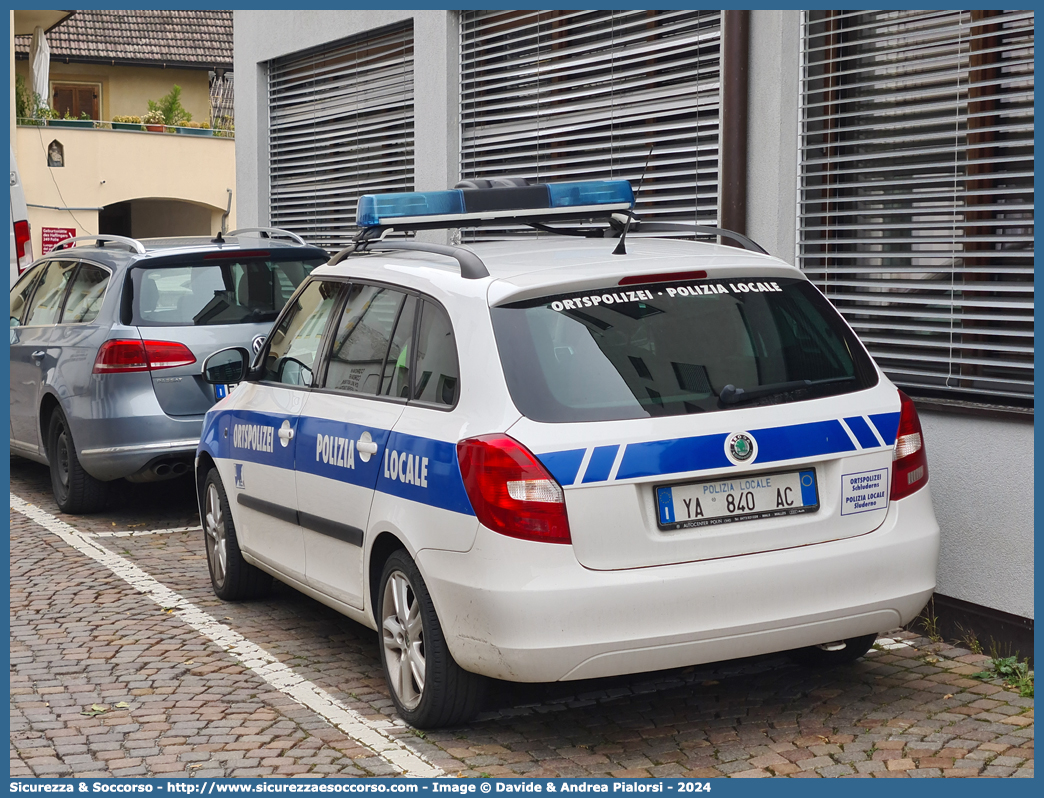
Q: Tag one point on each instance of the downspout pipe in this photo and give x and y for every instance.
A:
(733, 140)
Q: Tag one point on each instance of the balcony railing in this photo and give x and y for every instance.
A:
(225, 127)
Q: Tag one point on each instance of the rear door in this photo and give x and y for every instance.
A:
(213, 301)
(34, 349)
(344, 434)
(700, 419)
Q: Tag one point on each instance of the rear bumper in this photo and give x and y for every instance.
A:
(530, 612)
(115, 447)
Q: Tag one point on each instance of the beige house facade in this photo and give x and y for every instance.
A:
(95, 176)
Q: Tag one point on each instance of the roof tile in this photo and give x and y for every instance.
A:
(175, 38)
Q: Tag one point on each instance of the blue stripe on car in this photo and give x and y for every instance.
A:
(801, 440)
(601, 463)
(652, 458)
(441, 471)
(888, 425)
(563, 465)
(862, 431)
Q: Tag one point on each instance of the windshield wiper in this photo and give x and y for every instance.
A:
(731, 395)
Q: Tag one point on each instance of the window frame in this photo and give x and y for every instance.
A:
(65, 293)
(328, 336)
(80, 263)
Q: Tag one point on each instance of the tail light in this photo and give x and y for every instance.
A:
(123, 355)
(909, 461)
(23, 245)
(510, 491)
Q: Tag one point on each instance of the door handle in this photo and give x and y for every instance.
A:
(286, 433)
(366, 447)
(39, 354)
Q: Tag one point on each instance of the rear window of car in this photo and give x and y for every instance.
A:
(219, 291)
(668, 349)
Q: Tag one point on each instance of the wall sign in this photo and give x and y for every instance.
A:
(52, 235)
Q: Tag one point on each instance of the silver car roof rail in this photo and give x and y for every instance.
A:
(269, 232)
(132, 244)
(471, 265)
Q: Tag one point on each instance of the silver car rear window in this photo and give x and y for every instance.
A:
(225, 291)
(666, 349)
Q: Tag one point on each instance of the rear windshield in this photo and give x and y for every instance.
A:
(669, 349)
(225, 291)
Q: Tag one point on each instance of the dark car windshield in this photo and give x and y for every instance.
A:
(219, 291)
(667, 349)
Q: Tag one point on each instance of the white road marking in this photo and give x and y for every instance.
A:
(135, 533)
(371, 734)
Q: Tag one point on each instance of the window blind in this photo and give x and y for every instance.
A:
(916, 192)
(340, 125)
(580, 95)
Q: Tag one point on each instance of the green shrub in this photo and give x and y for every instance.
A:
(170, 107)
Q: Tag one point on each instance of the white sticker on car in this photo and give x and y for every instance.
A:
(863, 492)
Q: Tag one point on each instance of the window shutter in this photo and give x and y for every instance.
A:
(340, 125)
(916, 195)
(580, 95)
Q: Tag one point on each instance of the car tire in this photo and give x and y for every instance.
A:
(75, 491)
(820, 657)
(232, 577)
(428, 687)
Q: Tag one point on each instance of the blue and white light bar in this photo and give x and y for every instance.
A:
(461, 207)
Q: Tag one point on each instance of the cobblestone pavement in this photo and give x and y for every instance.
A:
(105, 682)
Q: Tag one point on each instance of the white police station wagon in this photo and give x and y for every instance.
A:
(548, 459)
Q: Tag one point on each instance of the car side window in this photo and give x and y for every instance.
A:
(294, 344)
(22, 292)
(395, 380)
(46, 304)
(361, 343)
(85, 294)
(436, 369)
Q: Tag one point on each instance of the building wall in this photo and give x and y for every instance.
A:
(126, 90)
(264, 35)
(980, 469)
(103, 167)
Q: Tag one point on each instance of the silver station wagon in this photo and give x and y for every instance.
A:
(107, 337)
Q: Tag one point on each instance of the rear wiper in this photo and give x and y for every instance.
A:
(731, 395)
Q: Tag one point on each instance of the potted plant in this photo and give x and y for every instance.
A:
(197, 129)
(153, 121)
(84, 120)
(126, 123)
(170, 107)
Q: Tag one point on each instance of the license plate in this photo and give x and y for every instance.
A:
(221, 391)
(724, 501)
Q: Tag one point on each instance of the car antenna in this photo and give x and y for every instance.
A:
(218, 239)
(621, 248)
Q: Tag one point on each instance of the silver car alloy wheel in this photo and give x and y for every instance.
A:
(217, 543)
(403, 639)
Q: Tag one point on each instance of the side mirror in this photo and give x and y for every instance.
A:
(226, 366)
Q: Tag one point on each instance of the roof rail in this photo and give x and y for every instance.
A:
(471, 265)
(269, 232)
(132, 244)
(697, 229)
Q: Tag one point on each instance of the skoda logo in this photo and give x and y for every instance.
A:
(740, 447)
(258, 342)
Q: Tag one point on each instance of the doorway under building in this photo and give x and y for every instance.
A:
(158, 218)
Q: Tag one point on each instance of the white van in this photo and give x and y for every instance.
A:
(21, 241)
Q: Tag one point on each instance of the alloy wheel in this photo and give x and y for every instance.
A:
(217, 542)
(403, 639)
